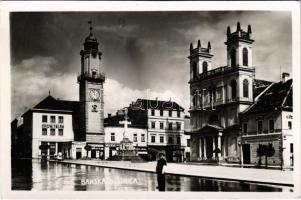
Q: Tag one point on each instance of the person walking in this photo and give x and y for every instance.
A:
(161, 163)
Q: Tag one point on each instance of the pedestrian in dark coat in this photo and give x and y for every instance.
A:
(161, 163)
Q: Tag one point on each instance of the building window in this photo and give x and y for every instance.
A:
(205, 67)
(161, 125)
(52, 131)
(271, 126)
(61, 132)
(142, 137)
(153, 125)
(246, 88)
(44, 131)
(61, 119)
(178, 125)
(52, 119)
(135, 137)
(188, 142)
(161, 112)
(178, 113)
(178, 140)
(153, 112)
(44, 118)
(233, 89)
(233, 58)
(194, 101)
(170, 126)
(218, 93)
(259, 126)
(245, 57)
(170, 113)
(153, 139)
(194, 70)
(289, 124)
(245, 128)
(112, 136)
(291, 147)
(161, 139)
(169, 140)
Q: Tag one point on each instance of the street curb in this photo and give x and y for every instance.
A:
(171, 173)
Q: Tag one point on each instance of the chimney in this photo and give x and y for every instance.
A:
(199, 43)
(285, 76)
(228, 30)
(109, 115)
(238, 27)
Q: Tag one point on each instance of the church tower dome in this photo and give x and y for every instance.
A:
(91, 43)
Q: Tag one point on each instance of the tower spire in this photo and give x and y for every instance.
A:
(91, 28)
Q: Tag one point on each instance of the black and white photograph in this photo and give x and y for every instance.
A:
(164, 101)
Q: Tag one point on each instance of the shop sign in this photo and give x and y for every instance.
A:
(141, 148)
(112, 144)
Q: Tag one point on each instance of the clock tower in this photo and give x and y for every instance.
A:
(91, 81)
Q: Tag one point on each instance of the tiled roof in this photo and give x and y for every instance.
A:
(50, 103)
(260, 86)
(156, 104)
(277, 97)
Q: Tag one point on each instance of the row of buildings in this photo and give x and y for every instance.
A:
(153, 126)
(56, 126)
(231, 114)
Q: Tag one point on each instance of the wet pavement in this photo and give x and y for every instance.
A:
(39, 176)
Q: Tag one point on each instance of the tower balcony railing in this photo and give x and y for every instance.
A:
(93, 77)
(207, 105)
(220, 71)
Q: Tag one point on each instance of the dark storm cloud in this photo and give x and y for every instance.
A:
(141, 50)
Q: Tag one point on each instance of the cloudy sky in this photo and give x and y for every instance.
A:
(144, 53)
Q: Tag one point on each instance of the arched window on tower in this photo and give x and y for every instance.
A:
(233, 58)
(194, 70)
(245, 57)
(246, 88)
(233, 89)
(205, 67)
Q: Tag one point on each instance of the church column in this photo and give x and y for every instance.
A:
(219, 144)
(200, 148)
(225, 146)
(205, 148)
(213, 147)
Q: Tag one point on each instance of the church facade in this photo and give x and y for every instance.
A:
(219, 95)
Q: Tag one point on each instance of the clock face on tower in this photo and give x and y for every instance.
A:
(94, 94)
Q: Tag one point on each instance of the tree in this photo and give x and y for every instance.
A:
(88, 148)
(265, 150)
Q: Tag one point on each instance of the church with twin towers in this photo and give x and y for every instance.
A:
(230, 115)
